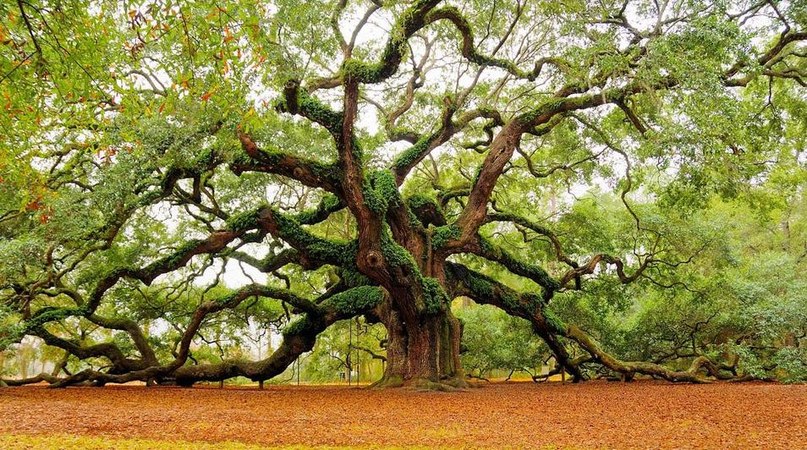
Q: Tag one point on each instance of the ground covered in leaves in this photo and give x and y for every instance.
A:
(519, 415)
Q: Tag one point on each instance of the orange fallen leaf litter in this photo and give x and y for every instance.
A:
(642, 414)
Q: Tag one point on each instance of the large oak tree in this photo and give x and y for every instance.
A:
(373, 159)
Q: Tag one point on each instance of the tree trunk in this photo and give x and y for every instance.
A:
(423, 353)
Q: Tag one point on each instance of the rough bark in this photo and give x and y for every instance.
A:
(424, 353)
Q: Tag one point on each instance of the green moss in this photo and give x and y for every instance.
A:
(318, 112)
(413, 219)
(241, 158)
(176, 258)
(188, 246)
(425, 210)
(333, 252)
(329, 204)
(296, 326)
(413, 154)
(244, 221)
(480, 286)
(353, 277)
(52, 314)
(380, 191)
(553, 104)
(419, 201)
(553, 321)
(442, 235)
(511, 301)
(271, 156)
(227, 298)
(361, 71)
(434, 296)
(356, 300)
(532, 301)
(407, 24)
(513, 264)
(395, 254)
(330, 172)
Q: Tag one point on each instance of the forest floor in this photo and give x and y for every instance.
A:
(501, 415)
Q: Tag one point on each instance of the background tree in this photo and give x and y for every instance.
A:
(155, 149)
(349, 347)
(493, 340)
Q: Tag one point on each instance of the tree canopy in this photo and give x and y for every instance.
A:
(627, 176)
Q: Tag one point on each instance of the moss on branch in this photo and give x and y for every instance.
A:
(380, 191)
(434, 296)
(426, 210)
(300, 102)
(495, 253)
(355, 301)
(407, 159)
(314, 247)
(409, 22)
(443, 235)
(326, 207)
(246, 220)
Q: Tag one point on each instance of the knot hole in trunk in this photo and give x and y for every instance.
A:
(374, 259)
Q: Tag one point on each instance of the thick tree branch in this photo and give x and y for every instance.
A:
(308, 172)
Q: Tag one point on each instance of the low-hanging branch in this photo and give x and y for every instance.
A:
(488, 291)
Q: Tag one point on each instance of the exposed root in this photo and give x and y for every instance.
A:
(388, 381)
(457, 382)
(452, 384)
(447, 385)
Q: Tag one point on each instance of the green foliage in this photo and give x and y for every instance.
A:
(554, 321)
(9, 328)
(791, 364)
(341, 348)
(741, 300)
(494, 340)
